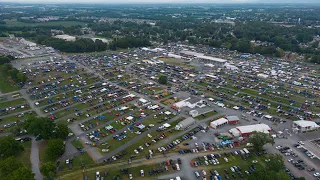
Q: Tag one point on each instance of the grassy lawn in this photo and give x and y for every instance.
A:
(206, 115)
(13, 103)
(24, 157)
(77, 162)
(52, 23)
(5, 85)
(232, 161)
(114, 170)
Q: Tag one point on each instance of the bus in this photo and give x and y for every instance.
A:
(15, 95)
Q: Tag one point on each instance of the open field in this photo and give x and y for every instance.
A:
(5, 85)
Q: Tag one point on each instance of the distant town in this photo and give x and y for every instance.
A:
(159, 91)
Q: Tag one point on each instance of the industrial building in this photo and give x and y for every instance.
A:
(247, 130)
(218, 123)
(203, 58)
(304, 126)
(185, 124)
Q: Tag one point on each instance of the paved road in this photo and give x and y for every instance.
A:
(34, 159)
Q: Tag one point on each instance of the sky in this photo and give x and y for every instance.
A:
(161, 1)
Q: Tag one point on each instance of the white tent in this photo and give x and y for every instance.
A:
(129, 118)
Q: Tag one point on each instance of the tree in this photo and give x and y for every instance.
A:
(276, 163)
(22, 77)
(42, 128)
(48, 168)
(21, 174)
(55, 148)
(62, 131)
(9, 147)
(279, 53)
(163, 80)
(259, 139)
(9, 165)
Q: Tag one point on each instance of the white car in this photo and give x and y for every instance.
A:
(231, 168)
(159, 149)
(204, 172)
(141, 148)
(105, 150)
(141, 172)
(136, 151)
(300, 142)
(278, 147)
(254, 161)
(130, 176)
(67, 161)
(206, 162)
(178, 167)
(225, 159)
(316, 174)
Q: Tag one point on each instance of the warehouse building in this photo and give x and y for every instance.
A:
(304, 126)
(185, 124)
(247, 130)
(218, 123)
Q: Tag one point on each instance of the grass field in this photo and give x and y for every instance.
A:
(12, 103)
(52, 23)
(5, 86)
(24, 157)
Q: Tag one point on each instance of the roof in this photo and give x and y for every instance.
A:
(304, 123)
(202, 56)
(255, 127)
(187, 122)
(193, 100)
(218, 122)
(233, 118)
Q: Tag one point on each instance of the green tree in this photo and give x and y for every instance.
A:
(7, 166)
(48, 168)
(276, 163)
(259, 139)
(9, 147)
(281, 175)
(55, 148)
(41, 128)
(279, 53)
(163, 80)
(21, 174)
(62, 131)
(22, 77)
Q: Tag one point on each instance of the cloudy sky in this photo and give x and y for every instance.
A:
(163, 1)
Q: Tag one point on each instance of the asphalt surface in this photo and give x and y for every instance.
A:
(34, 159)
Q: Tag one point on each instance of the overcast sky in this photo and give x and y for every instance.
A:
(162, 1)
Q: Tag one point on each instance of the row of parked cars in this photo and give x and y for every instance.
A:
(215, 175)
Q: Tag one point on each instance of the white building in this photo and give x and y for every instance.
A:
(304, 126)
(218, 123)
(190, 102)
(182, 125)
(247, 130)
(66, 37)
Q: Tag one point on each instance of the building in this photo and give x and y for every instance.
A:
(247, 130)
(185, 124)
(233, 119)
(218, 123)
(190, 102)
(304, 126)
(66, 37)
(203, 58)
